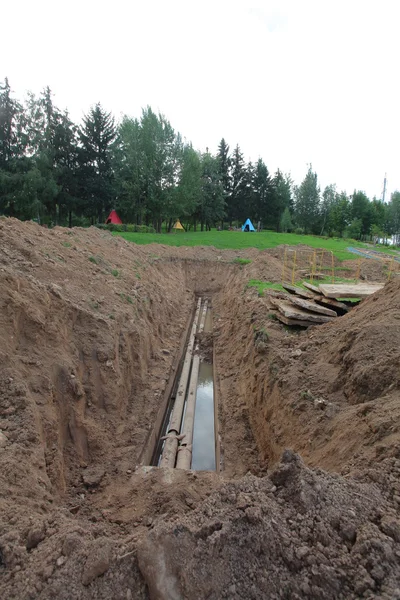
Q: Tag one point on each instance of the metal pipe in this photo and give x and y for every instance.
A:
(184, 458)
(203, 317)
(171, 442)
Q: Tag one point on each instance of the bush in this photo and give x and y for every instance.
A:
(130, 228)
(299, 231)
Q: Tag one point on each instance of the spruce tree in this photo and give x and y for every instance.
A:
(236, 203)
(97, 135)
(224, 170)
(307, 203)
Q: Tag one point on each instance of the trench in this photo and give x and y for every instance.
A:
(187, 437)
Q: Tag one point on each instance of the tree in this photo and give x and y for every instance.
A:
(238, 181)
(127, 164)
(161, 152)
(211, 207)
(247, 196)
(307, 202)
(224, 168)
(190, 186)
(14, 165)
(361, 210)
(339, 214)
(394, 217)
(262, 192)
(354, 230)
(281, 197)
(328, 200)
(286, 221)
(66, 166)
(97, 135)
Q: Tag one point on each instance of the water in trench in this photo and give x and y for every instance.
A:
(203, 454)
(208, 322)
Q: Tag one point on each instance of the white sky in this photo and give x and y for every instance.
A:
(292, 81)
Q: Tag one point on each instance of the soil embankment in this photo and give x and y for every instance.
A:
(90, 328)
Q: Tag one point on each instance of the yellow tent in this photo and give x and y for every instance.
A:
(178, 225)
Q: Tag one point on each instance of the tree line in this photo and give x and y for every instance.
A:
(55, 171)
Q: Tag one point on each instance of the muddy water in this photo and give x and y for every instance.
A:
(203, 457)
(208, 322)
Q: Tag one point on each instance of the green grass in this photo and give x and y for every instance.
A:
(241, 261)
(240, 240)
(264, 285)
(269, 285)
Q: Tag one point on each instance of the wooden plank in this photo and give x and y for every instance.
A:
(307, 305)
(293, 312)
(293, 322)
(347, 290)
(331, 302)
(298, 291)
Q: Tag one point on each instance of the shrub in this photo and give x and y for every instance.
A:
(126, 227)
(299, 231)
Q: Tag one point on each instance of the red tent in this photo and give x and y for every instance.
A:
(113, 218)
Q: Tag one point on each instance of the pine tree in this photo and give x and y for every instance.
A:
(97, 135)
(307, 202)
(224, 170)
(236, 201)
(262, 192)
(14, 165)
(281, 198)
(211, 207)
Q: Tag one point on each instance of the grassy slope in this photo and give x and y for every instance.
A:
(240, 240)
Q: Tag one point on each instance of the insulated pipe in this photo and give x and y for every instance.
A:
(203, 317)
(171, 442)
(184, 459)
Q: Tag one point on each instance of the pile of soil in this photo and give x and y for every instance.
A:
(369, 269)
(295, 534)
(90, 331)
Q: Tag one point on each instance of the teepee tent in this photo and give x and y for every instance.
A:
(113, 218)
(248, 226)
(178, 225)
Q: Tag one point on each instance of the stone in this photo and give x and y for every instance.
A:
(98, 560)
(92, 476)
(3, 440)
(35, 536)
(72, 542)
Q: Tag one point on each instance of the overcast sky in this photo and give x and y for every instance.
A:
(291, 81)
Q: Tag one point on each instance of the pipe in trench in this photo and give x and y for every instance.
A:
(184, 459)
(171, 442)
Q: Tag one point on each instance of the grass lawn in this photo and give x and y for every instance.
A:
(241, 240)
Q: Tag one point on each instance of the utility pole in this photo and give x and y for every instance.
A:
(384, 189)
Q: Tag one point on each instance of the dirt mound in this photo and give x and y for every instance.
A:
(295, 534)
(330, 392)
(369, 269)
(91, 329)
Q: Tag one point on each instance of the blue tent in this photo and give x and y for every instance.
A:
(248, 226)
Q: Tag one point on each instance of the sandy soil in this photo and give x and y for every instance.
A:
(90, 330)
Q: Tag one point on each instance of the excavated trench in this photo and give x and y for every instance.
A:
(186, 431)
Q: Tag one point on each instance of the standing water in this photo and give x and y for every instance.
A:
(203, 453)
